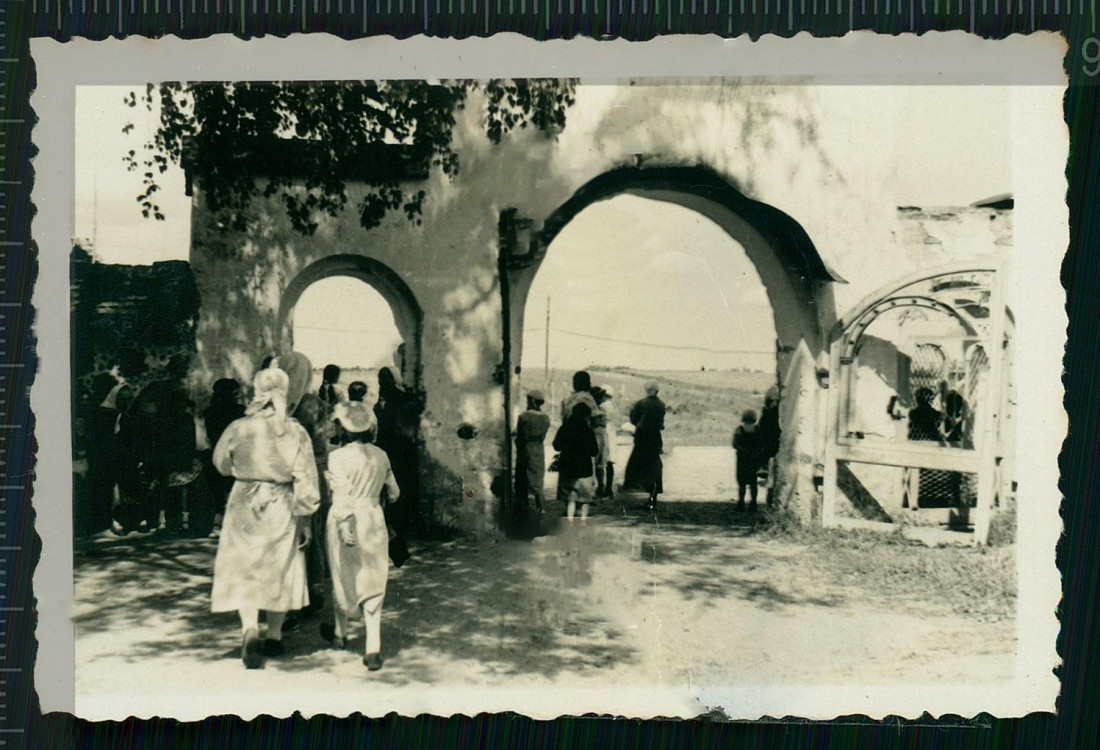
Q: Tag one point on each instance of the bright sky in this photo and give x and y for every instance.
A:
(656, 256)
(359, 332)
(611, 306)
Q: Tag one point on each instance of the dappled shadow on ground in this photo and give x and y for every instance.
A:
(714, 567)
(505, 609)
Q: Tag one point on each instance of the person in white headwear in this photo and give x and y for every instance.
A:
(356, 534)
(260, 564)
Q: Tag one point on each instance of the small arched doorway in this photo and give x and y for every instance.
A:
(794, 276)
(407, 317)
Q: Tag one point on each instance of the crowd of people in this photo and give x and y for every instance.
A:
(307, 488)
(584, 460)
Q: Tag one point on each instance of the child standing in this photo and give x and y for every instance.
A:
(746, 442)
(531, 429)
(576, 444)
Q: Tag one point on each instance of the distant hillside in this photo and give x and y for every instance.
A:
(703, 406)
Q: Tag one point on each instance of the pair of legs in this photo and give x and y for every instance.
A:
(252, 648)
(571, 509)
(371, 609)
(605, 479)
(752, 488)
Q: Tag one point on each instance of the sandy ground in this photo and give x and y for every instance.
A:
(631, 614)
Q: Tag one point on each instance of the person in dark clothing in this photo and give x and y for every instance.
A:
(331, 392)
(225, 407)
(531, 429)
(398, 415)
(746, 442)
(644, 470)
(576, 444)
(926, 426)
(770, 434)
(100, 432)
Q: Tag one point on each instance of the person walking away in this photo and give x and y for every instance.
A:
(358, 540)
(576, 444)
(644, 470)
(225, 408)
(770, 434)
(260, 562)
(331, 392)
(604, 467)
(746, 444)
(531, 429)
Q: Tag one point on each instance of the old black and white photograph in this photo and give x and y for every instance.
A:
(650, 396)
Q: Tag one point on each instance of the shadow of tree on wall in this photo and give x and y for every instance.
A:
(452, 603)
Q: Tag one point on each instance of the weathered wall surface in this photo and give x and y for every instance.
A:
(776, 145)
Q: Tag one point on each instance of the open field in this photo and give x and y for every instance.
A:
(703, 406)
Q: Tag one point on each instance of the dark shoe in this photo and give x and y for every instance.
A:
(273, 647)
(316, 601)
(752, 507)
(252, 650)
(373, 662)
(740, 506)
(328, 632)
(290, 624)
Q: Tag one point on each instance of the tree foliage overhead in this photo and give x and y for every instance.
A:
(222, 131)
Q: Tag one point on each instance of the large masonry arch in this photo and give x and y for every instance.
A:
(796, 278)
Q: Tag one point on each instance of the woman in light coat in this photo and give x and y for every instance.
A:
(260, 563)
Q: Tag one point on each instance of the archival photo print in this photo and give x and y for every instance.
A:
(651, 397)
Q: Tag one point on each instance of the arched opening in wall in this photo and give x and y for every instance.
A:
(344, 321)
(635, 290)
(356, 313)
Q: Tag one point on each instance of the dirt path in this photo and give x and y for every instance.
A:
(624, 605)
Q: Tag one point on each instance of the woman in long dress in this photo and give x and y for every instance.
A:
(644, 469)
(357, 539)
(260, 563)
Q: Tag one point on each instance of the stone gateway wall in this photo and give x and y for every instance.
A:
(756, 160)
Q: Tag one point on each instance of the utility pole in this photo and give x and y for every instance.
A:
(546, 360)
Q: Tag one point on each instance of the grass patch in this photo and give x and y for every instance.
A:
(977, 582)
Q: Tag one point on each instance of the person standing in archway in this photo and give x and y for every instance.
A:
(577, 446)
(644, 469)
(331, 392)
(398, 415)
(770, 435)
(531, 429)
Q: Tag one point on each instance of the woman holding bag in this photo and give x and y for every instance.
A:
(260, 564)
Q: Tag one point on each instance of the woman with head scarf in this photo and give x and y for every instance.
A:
(260, 564)
(357, 538)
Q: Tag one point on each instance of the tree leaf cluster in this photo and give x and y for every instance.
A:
(302, 143)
